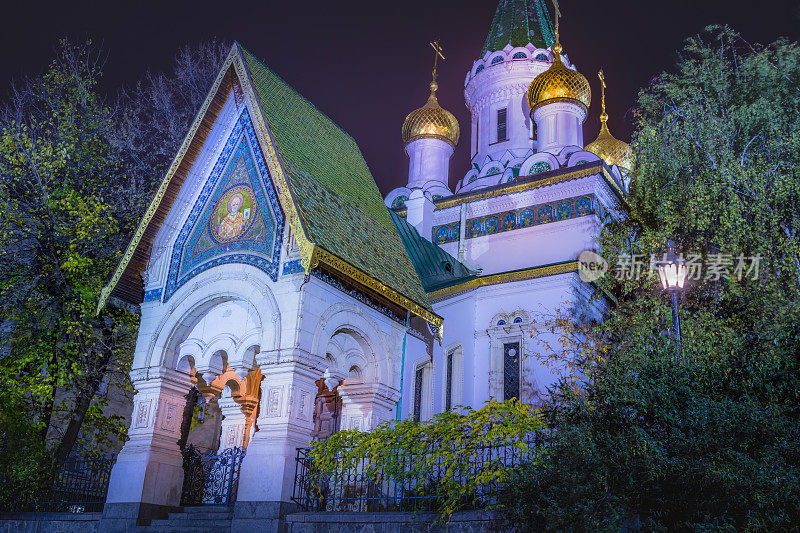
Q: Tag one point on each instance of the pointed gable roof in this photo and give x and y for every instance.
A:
(519, 22)
(331, 200)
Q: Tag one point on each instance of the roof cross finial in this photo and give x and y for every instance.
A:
(437, 53)
(558, 19)
(603, 115)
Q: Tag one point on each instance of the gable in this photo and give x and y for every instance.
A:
(237, 217)
(323, 185)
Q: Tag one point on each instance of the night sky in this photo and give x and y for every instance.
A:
(367, 64)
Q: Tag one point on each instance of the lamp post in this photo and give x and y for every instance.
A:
(672, 271)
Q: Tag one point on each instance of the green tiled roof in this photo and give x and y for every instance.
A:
(519, 22)
(336, 195)
(437, 269)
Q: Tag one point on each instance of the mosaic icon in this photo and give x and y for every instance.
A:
(233, 214)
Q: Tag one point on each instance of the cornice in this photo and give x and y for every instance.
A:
(505, 277)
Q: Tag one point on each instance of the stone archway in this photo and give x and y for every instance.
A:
(356, 375)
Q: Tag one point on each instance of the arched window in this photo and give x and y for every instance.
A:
(511, 370)
(518, 320)
(542, 57)
(480, 68)
(520, 55)
(497, 59)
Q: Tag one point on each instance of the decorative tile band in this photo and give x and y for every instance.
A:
(153, 295)
(505, 277)
(293, 267)
(524, 217)
(333, 282)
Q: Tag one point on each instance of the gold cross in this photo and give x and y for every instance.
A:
(437, 53)
(557, 17)
(602, 93)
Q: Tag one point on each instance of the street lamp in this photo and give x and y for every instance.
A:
(672, 271)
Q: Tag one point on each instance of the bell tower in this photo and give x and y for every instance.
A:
(515, 52)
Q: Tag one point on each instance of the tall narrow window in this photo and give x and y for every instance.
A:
(418, 379)
(510, 370)
(502, 125)
(448, 396)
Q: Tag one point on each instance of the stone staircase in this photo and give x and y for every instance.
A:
(193, 519)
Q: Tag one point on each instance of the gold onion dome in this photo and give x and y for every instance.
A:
(431, 121)
(606, 146)
(559, 84)
(610, 149)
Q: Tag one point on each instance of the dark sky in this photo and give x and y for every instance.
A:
(366, 64)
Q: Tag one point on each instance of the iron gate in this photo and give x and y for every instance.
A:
(211, 479)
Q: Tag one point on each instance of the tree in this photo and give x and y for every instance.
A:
(709, 441)
(63, 195)
(159, 110)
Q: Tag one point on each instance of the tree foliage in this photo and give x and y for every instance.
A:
(76, 173)
(64, 197)
(445, 450)
(708, 441)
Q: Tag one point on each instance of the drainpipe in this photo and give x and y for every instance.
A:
(462, 243)
(403, 364)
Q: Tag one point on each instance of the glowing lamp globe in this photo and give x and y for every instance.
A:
(672, 270)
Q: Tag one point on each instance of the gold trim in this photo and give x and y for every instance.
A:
(343, 267)
(580, 172)
(311, 254)
(505, 277)
(274, 164)
(105, 292)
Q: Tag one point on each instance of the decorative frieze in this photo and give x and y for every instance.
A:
(520, 218)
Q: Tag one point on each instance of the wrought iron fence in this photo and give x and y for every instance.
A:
(211, 479)
(371, 487)
(79, 485)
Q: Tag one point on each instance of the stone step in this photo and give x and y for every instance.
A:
(202, 516)
(181, 529)
(187, 521)
(207, 509)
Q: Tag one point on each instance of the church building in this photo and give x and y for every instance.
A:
(277, 284)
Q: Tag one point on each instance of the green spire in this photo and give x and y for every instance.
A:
(519, 22)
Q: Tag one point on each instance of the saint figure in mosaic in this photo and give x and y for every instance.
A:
(232, 215)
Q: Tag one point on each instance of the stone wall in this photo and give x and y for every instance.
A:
(49, 522)
(464, 522)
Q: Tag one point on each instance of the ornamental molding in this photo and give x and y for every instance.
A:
(322, 256)
(183, 298)
(497, 94)
(506, 277)
(524, 183)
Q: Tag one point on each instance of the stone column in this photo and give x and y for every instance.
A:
(234, 423)
(285, 424)
(365, 406)
(147, 478)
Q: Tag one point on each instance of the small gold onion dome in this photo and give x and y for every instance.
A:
(431, 121)
(610, 149)
(559, 84)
